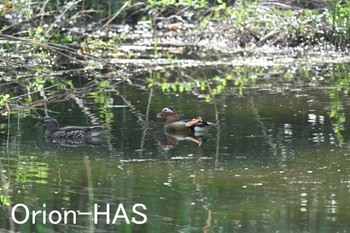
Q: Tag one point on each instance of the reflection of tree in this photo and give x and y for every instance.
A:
(337, 115)
(269, 138)
(5, 197)
(90, 188)
(145, 128)
(217, 124)
(340, 79)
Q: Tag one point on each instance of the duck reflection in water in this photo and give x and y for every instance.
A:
(177, 129)
(70, 136)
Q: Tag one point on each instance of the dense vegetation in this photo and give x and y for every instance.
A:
(245, 23)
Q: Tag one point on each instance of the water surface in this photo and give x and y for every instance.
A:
(272, 162)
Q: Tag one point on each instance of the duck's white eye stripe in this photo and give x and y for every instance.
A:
(167, 110)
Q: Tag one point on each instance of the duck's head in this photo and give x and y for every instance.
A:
(167, 111)
(48, 121)
(170, 114)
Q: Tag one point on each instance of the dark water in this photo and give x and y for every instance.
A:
(272, 163)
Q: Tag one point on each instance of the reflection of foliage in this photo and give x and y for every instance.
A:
(340, 75)
(4, 104)
(207, 86)
(34, 172)
(338, 119)
(200, 85)
(102, 98)
(4, 201)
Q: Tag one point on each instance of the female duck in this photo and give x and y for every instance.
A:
(68, 132)
(174, 124)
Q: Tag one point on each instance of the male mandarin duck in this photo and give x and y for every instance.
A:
(68, 132)
(175, 125)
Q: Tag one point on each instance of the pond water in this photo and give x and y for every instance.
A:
(272, 162)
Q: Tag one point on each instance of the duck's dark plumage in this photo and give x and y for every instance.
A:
(53, 130)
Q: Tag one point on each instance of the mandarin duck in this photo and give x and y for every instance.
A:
(174, 124)
(68, 132)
